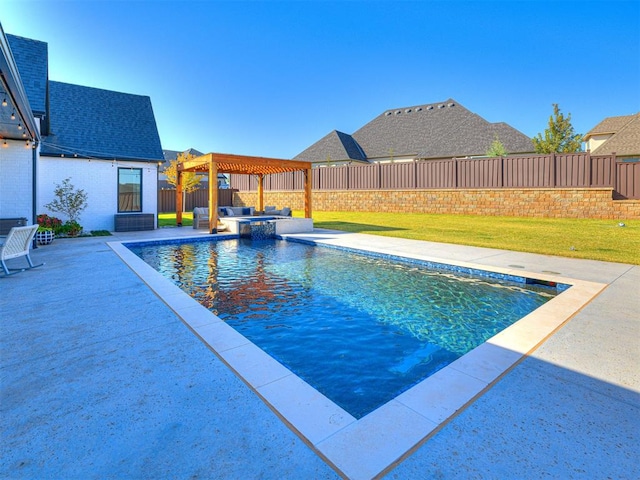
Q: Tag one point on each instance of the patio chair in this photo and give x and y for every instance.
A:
(17, 244)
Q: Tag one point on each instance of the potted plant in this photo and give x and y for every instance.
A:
(44, 235)
(47, 229)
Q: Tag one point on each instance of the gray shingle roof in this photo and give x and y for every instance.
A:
(92, 122)
(438, 130)
(609, 125)
(626, 136)
(31, 57)
(336, 146)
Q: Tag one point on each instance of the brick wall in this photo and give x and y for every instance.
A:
(543, 202)
(16, 180)
(99, 179)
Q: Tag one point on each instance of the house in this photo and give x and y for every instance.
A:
(433, 131)
(619, 135)
(106, 142)
(170, 155)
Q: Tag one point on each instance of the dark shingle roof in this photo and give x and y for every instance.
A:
(625, 140)
(438, 130)
(92, 122)
(442, 129)
(31, 57)
(334, 147)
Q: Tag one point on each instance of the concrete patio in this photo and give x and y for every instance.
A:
(100, 379)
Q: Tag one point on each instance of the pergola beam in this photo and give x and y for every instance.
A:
(215, 163)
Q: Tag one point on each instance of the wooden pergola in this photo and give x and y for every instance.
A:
(215, 163)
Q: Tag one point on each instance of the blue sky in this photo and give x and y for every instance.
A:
(270, 78)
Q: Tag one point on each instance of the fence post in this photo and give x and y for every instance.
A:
(614, 173)
(553, 170)
(589, 166)
(379, 176)
(455, 173)
(501, 171)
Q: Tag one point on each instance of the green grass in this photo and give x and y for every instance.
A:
(576, 238)
(169, 219)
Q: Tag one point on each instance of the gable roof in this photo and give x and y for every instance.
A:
(625, 139)
(335, 146)
(609, 125)
(96, 123)
(442, 129)
(31, 57)
(173, 154)
(437, 130)
(16, 116)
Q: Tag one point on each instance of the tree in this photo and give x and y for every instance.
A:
(68, 201)
(190, 180)
(496, 149)
(559, 135)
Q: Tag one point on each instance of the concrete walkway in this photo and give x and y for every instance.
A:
(99, 379)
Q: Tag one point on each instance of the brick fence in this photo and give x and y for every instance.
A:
(594, 203)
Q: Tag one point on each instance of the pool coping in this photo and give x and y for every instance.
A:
(373, 445)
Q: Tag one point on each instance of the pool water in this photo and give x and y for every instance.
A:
(360, 329)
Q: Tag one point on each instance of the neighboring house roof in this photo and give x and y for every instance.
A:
(335, 146)
(173, 154)
(439, 130)
(96, 123)
(32, 59)
(625, 135)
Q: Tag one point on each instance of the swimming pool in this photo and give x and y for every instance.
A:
(359, 328)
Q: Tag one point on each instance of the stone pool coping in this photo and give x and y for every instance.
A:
(373, 445)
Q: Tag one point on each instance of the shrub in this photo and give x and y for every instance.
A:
(69, 201)
(47, 222)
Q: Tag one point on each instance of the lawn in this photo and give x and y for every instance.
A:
(576, 238)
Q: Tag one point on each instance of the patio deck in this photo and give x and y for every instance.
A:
(101, 379)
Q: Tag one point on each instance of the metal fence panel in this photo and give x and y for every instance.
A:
(436, 174)
(628, 180)
(363, 177)
(398, 176)
(528, 172)
(572, 170)
(199, 198)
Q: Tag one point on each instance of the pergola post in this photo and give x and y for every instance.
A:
(260, 192)
(179, 197)
(307, 193)
(213, 195)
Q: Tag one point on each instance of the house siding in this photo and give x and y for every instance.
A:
(99, 179)
(16, 180)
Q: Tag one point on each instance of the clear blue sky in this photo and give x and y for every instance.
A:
(270, 78)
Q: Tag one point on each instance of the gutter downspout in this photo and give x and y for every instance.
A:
(34, 186)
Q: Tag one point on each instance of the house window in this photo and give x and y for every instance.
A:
(129, 190)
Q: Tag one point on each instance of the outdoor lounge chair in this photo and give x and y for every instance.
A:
(17, 244)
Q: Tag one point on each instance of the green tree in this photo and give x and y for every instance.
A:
(68, 201)
(496, 149)
(190, 180)
(559, 135)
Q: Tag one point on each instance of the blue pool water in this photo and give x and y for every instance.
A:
(358, 328)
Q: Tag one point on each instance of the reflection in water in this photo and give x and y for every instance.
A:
(360, 329)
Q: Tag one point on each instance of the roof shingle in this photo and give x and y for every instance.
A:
(438, 130)
(31, 57)
(98, 123)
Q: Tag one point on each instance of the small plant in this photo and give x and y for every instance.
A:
(46, 222)
(496, 149)
(70, 202)
(100, 233)
(70, 228)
